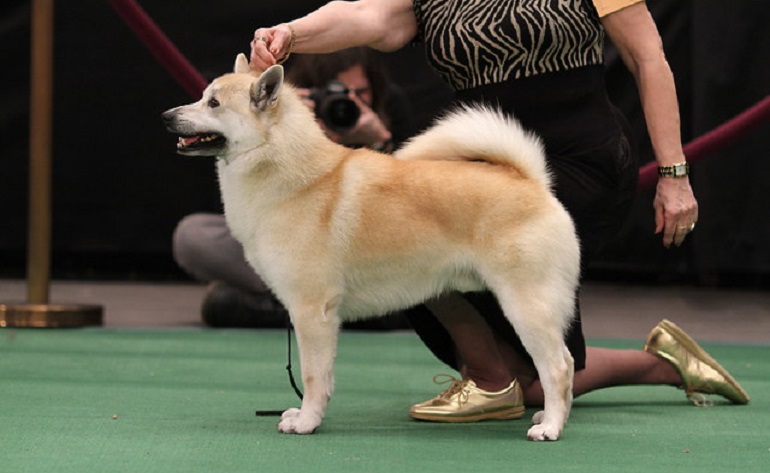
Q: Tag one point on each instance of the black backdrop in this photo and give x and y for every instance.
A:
(119, 189)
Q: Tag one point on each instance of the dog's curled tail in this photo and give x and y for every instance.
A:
(480, 133)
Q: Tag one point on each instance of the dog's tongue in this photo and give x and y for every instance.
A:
(188, 140)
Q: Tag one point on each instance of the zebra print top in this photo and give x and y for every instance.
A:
(478, 42)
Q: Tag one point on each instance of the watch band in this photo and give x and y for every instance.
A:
(676, 170)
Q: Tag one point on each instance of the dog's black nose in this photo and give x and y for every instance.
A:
(168, 117)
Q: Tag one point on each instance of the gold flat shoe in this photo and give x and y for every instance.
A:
(463, 401)
(700, 373)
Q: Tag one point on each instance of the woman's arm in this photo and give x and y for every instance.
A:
(636, 37)
(386, 25)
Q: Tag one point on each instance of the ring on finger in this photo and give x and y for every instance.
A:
(260, 38)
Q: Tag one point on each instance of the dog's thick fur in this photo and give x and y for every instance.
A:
(341, 234)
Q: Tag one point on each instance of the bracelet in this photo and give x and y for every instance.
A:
(676, 170)
(291, 43)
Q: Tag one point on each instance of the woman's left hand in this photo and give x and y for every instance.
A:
(676, 210)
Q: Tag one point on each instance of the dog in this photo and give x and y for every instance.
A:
(342, 234)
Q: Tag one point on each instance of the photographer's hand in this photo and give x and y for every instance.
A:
(304, 94)
(369, 131)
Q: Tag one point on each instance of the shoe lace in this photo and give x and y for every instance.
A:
(458, 386)
(699, 399)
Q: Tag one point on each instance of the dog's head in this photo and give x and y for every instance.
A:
(230, 117)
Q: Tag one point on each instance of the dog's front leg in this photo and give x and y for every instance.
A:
(317, 340)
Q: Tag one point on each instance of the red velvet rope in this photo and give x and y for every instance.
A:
(194, 83)
(160, 46)
(714, 140)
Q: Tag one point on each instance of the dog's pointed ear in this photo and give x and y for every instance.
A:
(264, 91)
(241, 64)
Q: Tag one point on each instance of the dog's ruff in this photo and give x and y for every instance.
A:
(342, 234)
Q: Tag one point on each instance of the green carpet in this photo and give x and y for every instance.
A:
(100, 400)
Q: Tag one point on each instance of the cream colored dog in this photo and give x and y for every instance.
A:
(342, 234)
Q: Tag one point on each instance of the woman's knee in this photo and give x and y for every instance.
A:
(192, 237)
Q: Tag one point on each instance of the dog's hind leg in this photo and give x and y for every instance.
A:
(540, 315)
(317, 328)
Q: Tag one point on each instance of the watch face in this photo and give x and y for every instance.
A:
(676, 170)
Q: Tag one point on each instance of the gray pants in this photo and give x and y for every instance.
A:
(205, 249)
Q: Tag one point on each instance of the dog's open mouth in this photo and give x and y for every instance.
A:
(200, 141)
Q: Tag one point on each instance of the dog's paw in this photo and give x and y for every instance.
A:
(288, 413)
(544, 429)
(543, 432)
(293, 421)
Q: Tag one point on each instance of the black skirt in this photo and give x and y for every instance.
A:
(594, 170)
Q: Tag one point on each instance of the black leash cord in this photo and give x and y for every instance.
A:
(288, 368)
(288, 362)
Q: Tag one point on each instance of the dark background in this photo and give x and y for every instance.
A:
(119, 188)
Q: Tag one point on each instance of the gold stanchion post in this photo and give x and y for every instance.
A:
(38, 312)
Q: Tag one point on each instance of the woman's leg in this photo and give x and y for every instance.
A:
(492, 363)
(236, 297)
(609, 367)
(477, 348)
(482, 355)
(204, 247)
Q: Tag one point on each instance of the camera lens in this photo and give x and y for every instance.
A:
(341, 113)
(335, 108)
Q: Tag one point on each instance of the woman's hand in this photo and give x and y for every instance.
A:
(676, 210)
(270, 46)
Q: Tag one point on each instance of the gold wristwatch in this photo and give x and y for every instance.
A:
(676, 170)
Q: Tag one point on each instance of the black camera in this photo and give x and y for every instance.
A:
(334, 106)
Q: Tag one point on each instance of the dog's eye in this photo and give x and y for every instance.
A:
(213, 103)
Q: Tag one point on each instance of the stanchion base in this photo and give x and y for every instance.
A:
(50, 316)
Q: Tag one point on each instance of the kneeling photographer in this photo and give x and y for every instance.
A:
(353, 99)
